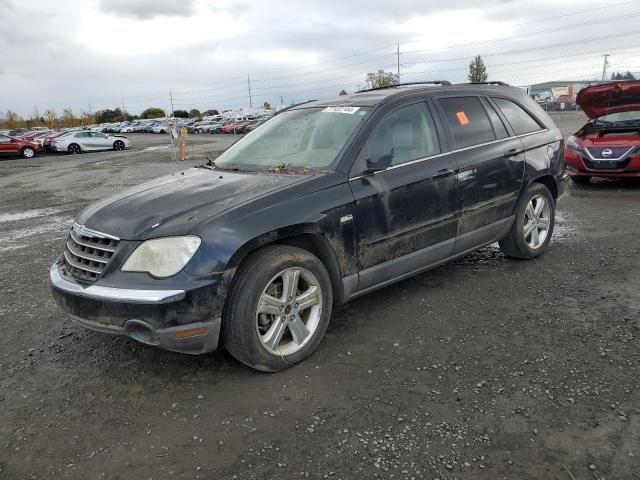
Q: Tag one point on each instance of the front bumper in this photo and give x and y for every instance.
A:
(176, 320)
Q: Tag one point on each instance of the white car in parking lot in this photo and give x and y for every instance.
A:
(87, 141)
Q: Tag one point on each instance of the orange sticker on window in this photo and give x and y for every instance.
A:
(462, 118)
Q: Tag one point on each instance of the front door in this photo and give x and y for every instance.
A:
(406, 215)
(7, 145)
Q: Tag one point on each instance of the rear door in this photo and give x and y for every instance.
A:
(406, 215)
(490, 168)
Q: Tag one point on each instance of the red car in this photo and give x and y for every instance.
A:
(18, 146)
(609, 144)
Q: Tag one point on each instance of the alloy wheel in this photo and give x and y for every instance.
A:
(28, 152)
(289, 311)
(537, 219)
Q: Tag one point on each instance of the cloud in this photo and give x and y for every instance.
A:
(148, 9)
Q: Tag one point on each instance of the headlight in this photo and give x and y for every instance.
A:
(162, 257)
(573, 145)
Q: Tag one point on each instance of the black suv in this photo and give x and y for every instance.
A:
(327, 201)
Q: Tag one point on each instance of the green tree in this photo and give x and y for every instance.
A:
(181, 114)
(153, 112)
(266, 105)
(194, 112)
(622, 76)
(210, 113)
(381, 79)
(477, 70)
(343, 92)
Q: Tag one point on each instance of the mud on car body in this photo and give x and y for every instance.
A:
(327, 201)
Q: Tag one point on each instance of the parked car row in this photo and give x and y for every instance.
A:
(28, 143)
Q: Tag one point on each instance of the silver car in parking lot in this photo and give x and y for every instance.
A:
(87, 141)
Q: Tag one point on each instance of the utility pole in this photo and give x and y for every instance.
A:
(398, 55)
(249, 84)
(281, 100)
(123, 114)
(606, 64)
(171, 97)
(173, 147)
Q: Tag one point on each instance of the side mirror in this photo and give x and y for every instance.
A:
(382, 163)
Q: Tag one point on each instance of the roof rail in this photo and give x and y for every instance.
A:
(495, 82)
(432, 82)
(293, 106)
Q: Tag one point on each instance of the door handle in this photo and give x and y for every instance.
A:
(445, 172)
(512, 152)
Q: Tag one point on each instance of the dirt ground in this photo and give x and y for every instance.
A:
(485, 368)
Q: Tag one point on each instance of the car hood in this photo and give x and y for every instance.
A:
(599, 100)
(174, 204)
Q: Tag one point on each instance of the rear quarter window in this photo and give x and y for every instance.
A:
(519, 119)
(468, 121)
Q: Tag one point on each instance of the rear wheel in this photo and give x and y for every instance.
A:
(581, 180)
(28, 152)
(73, 149)
(118, 145)
(278, 308)
(533, 225)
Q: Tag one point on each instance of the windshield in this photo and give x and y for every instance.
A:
(307, 138)
(632, 116)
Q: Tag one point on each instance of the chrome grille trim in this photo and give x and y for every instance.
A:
(87, 252)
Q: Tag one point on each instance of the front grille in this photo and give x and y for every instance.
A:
(607, 164)
(614, 153)
(88, 252)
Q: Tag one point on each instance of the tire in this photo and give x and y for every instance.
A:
(581, 180)
(28, 152)
(263, 340)
(74, 149)
(536, 202)
(118, 145)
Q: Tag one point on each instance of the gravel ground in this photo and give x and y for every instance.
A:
(482, 368)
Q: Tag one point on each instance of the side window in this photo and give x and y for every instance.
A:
(518, 118)
(498, 126)
(80, 135)
(4, 139)
(407, 133)
(468, 121)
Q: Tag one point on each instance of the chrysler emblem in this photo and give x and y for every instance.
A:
(607, 153)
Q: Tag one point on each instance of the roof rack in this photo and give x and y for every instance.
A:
(432, 82)
(495, 82)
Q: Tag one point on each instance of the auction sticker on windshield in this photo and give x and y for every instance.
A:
(349, 110)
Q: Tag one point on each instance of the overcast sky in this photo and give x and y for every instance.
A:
(100, 53)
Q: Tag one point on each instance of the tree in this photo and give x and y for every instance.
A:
(210, 113)
(68, 118)
(153, 112)
(12, 119)
(50, 118)
(343, 92)
(266, 105)
(381, 79)
(194, 112)
(477, 70)
(181, 114)
(622, 76)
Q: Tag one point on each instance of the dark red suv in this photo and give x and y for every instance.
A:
(609, 144)
(17, 146)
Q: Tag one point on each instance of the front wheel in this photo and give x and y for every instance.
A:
(118, 145)
(533, 225)
(278, 308)
(28, 152)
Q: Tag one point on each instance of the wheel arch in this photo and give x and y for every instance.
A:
(548, 181)
(307, 237)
